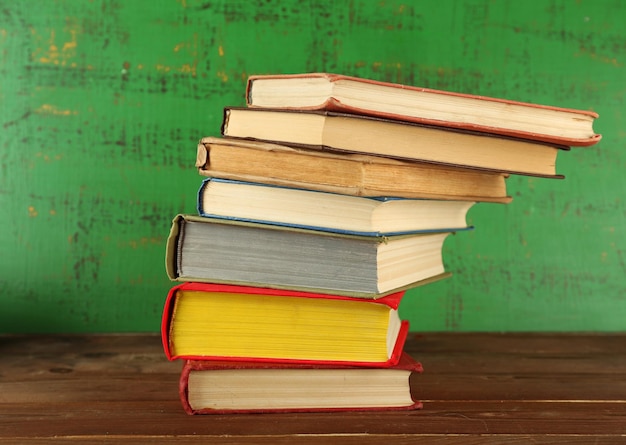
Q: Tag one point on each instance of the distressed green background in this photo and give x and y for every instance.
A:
(102, 103)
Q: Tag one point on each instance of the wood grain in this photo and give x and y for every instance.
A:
(477, 388)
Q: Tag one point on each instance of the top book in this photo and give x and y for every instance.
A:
(335, 92)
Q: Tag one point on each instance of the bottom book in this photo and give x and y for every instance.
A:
(219, 387)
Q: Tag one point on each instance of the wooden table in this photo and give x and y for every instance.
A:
(476, 388)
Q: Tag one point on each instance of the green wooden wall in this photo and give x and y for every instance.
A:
(102, 103)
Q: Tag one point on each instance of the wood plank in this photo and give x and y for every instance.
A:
(52, 387)
(518, 343)
(514, 387)
(533, 353)
(458, 417)
(99, 389)
(333, 439)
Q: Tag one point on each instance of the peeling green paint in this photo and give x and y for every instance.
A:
(103, 101)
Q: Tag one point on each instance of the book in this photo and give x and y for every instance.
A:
(222, 322)
(349, 174)
(225, 251)
(324, 91)
(352, 133)
(333, 212)
(218, 387)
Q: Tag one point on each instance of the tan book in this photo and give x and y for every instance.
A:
(350, 174)
(330, 212)
(355, 133)
(226, 387)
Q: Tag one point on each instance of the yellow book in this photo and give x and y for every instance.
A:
(221, 321)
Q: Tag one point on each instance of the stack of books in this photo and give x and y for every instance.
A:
(326, 199)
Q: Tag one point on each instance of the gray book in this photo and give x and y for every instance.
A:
(266, 255)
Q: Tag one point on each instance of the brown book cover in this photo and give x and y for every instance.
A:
(350, 174)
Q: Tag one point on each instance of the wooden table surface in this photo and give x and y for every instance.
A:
(476, 389)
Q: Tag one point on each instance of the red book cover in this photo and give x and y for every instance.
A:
(391, 300)
(470, 121)
(406, 363)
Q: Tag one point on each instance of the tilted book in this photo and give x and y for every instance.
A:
(235, 252)
(225, 387)
(348, 174)
(226, 322)
(351, 133)
(332, 212)
(336, 92)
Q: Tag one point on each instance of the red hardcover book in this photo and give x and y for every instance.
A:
(207, 321)
(335, 92)
(220, 387)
